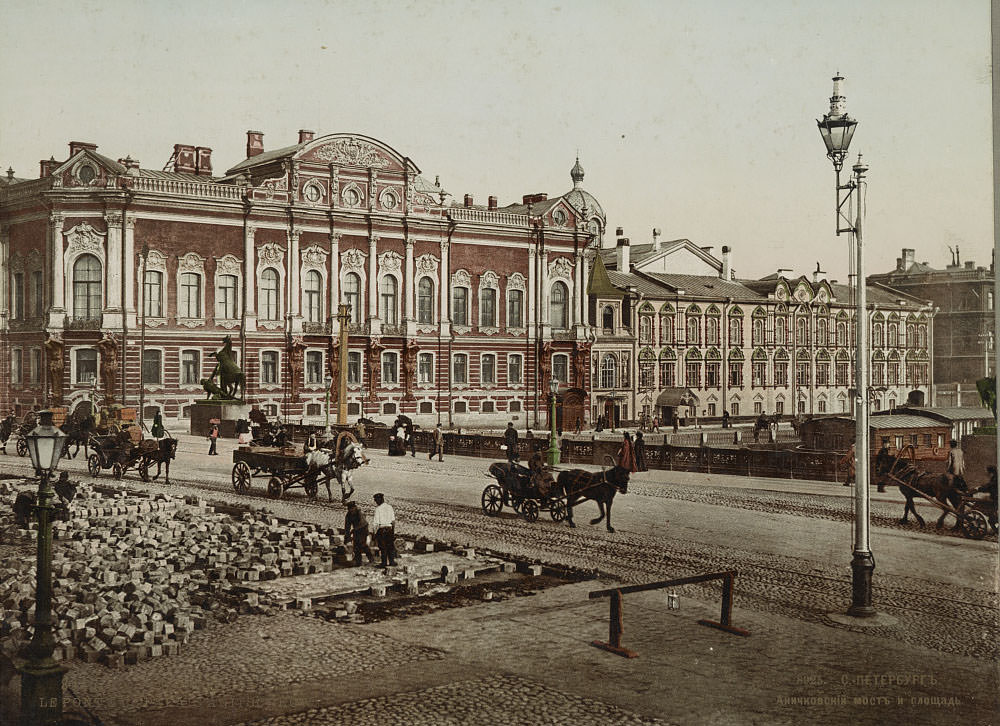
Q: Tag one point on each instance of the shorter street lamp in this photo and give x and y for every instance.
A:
(553, 452)
(41, 676)
(328, 382)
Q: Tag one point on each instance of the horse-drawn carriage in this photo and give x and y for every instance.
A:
(11, 427)
(287, 468)
(974, 517)
(125, 450)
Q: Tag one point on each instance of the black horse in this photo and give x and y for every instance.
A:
(6, 429)
(165, 450)
(577, 485)
(78, 432)
(911, 480)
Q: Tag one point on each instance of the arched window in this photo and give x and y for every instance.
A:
(877, 335)
(515, 307)
(758, 331)
(801, 330)
(352, 295)
(693, 329)
(86, 287)
(911, 335)
(487, 307)
(189, 306)
(841, 333)
(559, 306)
(712, 330)
(736, 329)
(313, 290)
(152, 292)
(893, 336)
(645, 328)
(609, 372)
(226, 289)
(780, 330)
(425, 300)
(268, 307)
(387, 299)
(821, 332)
(608, 319)
(667, 327)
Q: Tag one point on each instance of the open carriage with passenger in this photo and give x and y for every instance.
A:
(120, 446)
(527, 490)
(288, 468)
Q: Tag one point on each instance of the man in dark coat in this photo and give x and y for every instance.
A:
(356, 530)
(640, 452)
(410, 439)
(510, 440)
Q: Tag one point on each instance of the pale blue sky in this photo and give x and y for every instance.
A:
(696, 117)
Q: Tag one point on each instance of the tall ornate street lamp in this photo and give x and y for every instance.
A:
(41, 676)
(837, 130)
(553, 452)
(327, 383)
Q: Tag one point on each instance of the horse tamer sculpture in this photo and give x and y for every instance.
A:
(231, 378)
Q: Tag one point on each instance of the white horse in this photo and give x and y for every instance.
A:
(351, 457)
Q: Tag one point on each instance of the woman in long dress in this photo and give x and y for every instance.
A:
(626, 454)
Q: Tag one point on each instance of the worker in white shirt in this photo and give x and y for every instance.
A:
(384, 525)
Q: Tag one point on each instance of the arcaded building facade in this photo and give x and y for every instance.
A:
(116, 279)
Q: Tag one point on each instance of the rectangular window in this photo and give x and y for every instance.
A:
(711, 409)
(667, 372)
(560, 368)
(514, 369)
(460, 306)
(225, 298)
(189, 306)
(822, 374)
(487, 308)
(190, 367)
(802, 374)
(86, 366)
(514, 406)
(734, 408)
(779, 407)
(842, 373)
(515, 304)
(692, 375)
(460, 368)
(152, 291)
(460, 407)
(486, 407)
(37, 302)
(713, 375)
(759, 373)
(390, 371)
(152, 366)
(758, 407)
(735, 374)
(821, 406)
(354, 368)
(488, 370)
(780, 373)
(425, 368)
(15, 366)
(269, 366)
(18, 311)
(314, 367)
(35, 365)
(646, 374)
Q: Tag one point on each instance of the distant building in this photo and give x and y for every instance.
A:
(677, 334)
(964, 326)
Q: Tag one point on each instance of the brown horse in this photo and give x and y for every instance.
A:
(911, 480)
(577, 485)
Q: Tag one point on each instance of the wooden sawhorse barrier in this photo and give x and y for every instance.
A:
(615, 629)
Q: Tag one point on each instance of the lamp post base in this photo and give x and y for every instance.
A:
(41, 693)
(552, 455)
(862, 567)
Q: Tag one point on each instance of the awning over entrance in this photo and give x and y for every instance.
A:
(676, 397)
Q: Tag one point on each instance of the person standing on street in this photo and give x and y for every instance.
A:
(510, 440)
(410, 439)
(956, 466)
(361, 431)
(725, 418)
(213, 438)
(157, 430)
(438, 447)
(578, 424)
(356, 530)
(384, 524)
(626, 454)
(882, 459)
(640, 452)
(847, 462)
(656, 424)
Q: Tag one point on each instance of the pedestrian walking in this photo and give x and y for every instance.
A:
(640, 452)
(438, 445)
(356, 531)
(578, 424)
(725, 418)
(157, 430)
(626, 454)
(956, 466)
(410, 439)
(847, 462)
(361, 431)
(676, 423)
(213, 438)
(384, 524)
(510, 441)
(656, 424)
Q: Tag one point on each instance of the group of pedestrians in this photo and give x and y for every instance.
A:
(384, 527)
(632, 454)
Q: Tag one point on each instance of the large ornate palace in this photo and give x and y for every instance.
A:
(118, 279)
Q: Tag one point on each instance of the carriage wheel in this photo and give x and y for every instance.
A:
(974, 524)
(241, 477)
(274, 488)
(22, 446)
(529, 510)
(117, 471)
(558, 511)
(94, 465)
(312, 488)
(492, 500)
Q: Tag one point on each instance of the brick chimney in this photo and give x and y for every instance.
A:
(184, 159)
(203, 161)
(727, 263)
(656, 239)
(491, 203)
(624, 255)
(129, 163)
(75, 146)
(534, 198)
(46, 167)
(468, 200)
(255, 143)
(903, 263)
(306, 136)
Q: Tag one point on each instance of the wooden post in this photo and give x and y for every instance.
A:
(615, 629)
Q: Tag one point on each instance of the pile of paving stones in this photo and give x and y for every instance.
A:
(134, 575)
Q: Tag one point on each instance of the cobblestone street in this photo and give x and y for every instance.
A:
(527, 660)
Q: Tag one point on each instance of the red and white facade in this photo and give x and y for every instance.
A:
(116, 279)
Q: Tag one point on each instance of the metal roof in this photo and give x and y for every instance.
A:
(902, 421)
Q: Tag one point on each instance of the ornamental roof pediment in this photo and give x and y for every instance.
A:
(353, 150)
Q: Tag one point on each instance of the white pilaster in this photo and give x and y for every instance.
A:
(445, 290)
(544, 297)
(4, 276)
(294, 302)
(374, 323)
(249, 279)
(112, 316)
(532, 271)
(408, 282)
(130, 265)
(57, 311)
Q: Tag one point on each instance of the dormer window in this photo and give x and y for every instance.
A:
(86, 174)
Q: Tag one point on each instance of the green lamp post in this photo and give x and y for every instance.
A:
(552, 455)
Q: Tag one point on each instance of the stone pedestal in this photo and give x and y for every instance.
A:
(228, 413)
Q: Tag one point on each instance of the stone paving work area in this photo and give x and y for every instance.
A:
(255, 653)
(499, 700)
